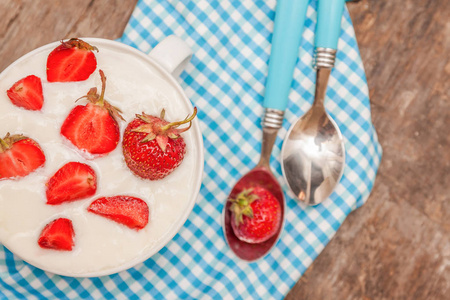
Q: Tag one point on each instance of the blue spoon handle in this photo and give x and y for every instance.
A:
(329, 16)
(288, 28)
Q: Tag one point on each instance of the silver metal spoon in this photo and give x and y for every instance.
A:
(288, 27)
(313, 154)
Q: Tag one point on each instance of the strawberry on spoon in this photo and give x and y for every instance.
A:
(153, 147)
(19, 156)
(129, 211)
(73, 181)
(256, 215)
(57, 235)
(73, 60)
(27, 93)
(93, 127)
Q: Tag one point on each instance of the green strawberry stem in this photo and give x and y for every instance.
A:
(3, 146)
(155, 130)
(93, 97)
(101, 100)
(241, 207)
(80, 44)
(176, 124)
(7, 142)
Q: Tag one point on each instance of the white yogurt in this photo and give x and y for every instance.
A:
(134, 86)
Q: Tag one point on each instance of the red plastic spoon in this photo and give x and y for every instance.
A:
(259, 176)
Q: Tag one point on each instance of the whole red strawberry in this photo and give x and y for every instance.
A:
(73, 60)
(93, 127)
(73, 181)
(19, 156)
(256, 215)
(57, 235)
(153, 147)
(27, 93)
(129, 211)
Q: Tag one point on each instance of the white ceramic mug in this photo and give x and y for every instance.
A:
(168, 59)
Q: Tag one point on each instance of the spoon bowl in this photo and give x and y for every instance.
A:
(259, 176)
(313, 156)
(313, 153)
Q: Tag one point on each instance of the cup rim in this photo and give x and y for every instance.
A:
(198, 137)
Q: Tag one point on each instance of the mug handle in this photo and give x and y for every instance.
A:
(173, 54)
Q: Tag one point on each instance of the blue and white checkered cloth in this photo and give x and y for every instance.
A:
(225, 80)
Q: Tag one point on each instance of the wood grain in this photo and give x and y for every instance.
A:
(397, 246)
(28, 24)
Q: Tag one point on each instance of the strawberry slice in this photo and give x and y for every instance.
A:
(27, 93)
(73, 181)
(73, 60)
(129, 211)
(57, 235)
(93, 127)
(19, 156)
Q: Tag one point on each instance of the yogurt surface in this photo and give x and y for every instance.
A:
(102, 246)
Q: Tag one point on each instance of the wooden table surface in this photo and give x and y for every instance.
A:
(397, 246)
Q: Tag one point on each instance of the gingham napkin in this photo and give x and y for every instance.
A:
(225, 80)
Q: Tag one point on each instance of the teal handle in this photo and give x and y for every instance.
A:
(287, 34)
(329, 16)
